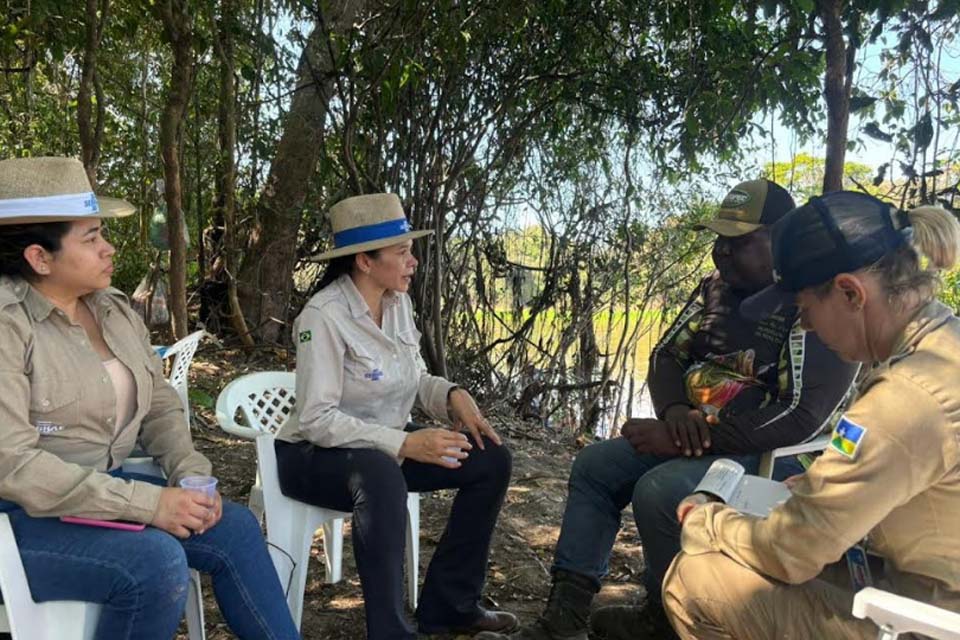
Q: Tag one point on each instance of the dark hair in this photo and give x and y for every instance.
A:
(339, 266)
(15, 238)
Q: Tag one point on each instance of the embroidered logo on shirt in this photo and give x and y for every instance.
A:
(46, 428)
(305, 336)
(847, 437)
(374, 375)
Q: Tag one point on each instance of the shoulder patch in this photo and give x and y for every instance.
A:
(847, 436)
(305, 336)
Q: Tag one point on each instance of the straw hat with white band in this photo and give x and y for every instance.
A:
(36, 190)
(365, 223)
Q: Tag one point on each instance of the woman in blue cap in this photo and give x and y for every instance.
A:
(865, 277)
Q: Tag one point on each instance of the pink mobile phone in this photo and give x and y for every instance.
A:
(109, 524)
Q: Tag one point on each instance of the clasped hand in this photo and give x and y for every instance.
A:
(684, 430)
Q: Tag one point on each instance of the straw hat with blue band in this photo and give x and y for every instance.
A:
(365, 223)
(34, 190)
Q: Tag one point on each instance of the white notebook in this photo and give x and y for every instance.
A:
(728, 481)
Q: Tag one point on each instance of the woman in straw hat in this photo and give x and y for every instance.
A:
(359, 373)
(889, 479)
(81, 385)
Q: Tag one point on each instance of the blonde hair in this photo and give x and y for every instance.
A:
(936, 237)
(936, 234)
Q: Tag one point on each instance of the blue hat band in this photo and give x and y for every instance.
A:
(370, 232)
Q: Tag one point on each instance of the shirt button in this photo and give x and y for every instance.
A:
(103, 379)
(109, 420)
(45, 403)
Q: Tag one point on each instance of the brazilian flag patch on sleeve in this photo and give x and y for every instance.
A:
(847, 437)
(305, 336)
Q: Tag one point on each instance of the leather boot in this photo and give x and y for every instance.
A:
(566, 615)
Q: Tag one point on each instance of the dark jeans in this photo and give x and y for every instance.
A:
(608, 475)
(141, 577)
(374, 487)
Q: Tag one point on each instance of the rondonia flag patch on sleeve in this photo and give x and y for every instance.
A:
(847, 437)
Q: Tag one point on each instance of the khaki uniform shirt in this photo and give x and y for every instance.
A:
(356, 382)
(899, 483)
(58, 429)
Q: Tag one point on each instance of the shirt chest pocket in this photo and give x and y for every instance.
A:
(363, 363)
(54, 405)
(409, 340)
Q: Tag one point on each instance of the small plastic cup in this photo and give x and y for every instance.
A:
(203, 484)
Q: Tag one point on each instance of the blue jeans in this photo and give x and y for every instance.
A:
(141, 578)
(608, 475)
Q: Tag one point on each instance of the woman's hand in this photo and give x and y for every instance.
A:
(690, 503)
(466, 414)
(181, 512)
(436, 446)
(793, 481)
(213, 515)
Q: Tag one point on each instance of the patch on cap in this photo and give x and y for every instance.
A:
(736, 199)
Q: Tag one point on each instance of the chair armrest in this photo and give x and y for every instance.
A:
(904, 615)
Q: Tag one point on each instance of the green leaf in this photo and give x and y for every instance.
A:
(200, 398)
(858, 103)
(923, 132)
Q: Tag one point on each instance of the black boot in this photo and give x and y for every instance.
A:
(567, 613)
(621, 622)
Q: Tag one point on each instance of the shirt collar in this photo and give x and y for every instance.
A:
(927, 318)
(39, 306)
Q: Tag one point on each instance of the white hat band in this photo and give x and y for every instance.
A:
(60, 206)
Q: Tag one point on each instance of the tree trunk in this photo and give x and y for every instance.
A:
(266, 280)
(91, 133)
(227, 166)
(836, 92)
(177, 32)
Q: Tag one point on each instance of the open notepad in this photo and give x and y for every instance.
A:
(727, 480)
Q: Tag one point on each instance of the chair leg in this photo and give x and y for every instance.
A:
(194, 612)
(333, 549)
(413, 547)
(255, 502)
(301, 541)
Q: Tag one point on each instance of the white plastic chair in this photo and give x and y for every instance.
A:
(266, 401)
(766, 462)
(25, 619)
(182, 353)
(896, 614)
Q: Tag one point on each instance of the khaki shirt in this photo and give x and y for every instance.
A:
(58, 410)
(356, 383)
(900, 485)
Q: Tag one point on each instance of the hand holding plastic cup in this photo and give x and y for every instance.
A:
(206, 485)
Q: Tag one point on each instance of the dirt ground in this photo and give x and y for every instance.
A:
(517, 579)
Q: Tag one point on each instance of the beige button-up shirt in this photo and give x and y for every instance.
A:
(900, 486)
(58, 430)
(356, 382)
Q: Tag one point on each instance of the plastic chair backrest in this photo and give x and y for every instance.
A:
(264, 401)
(182, 353)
